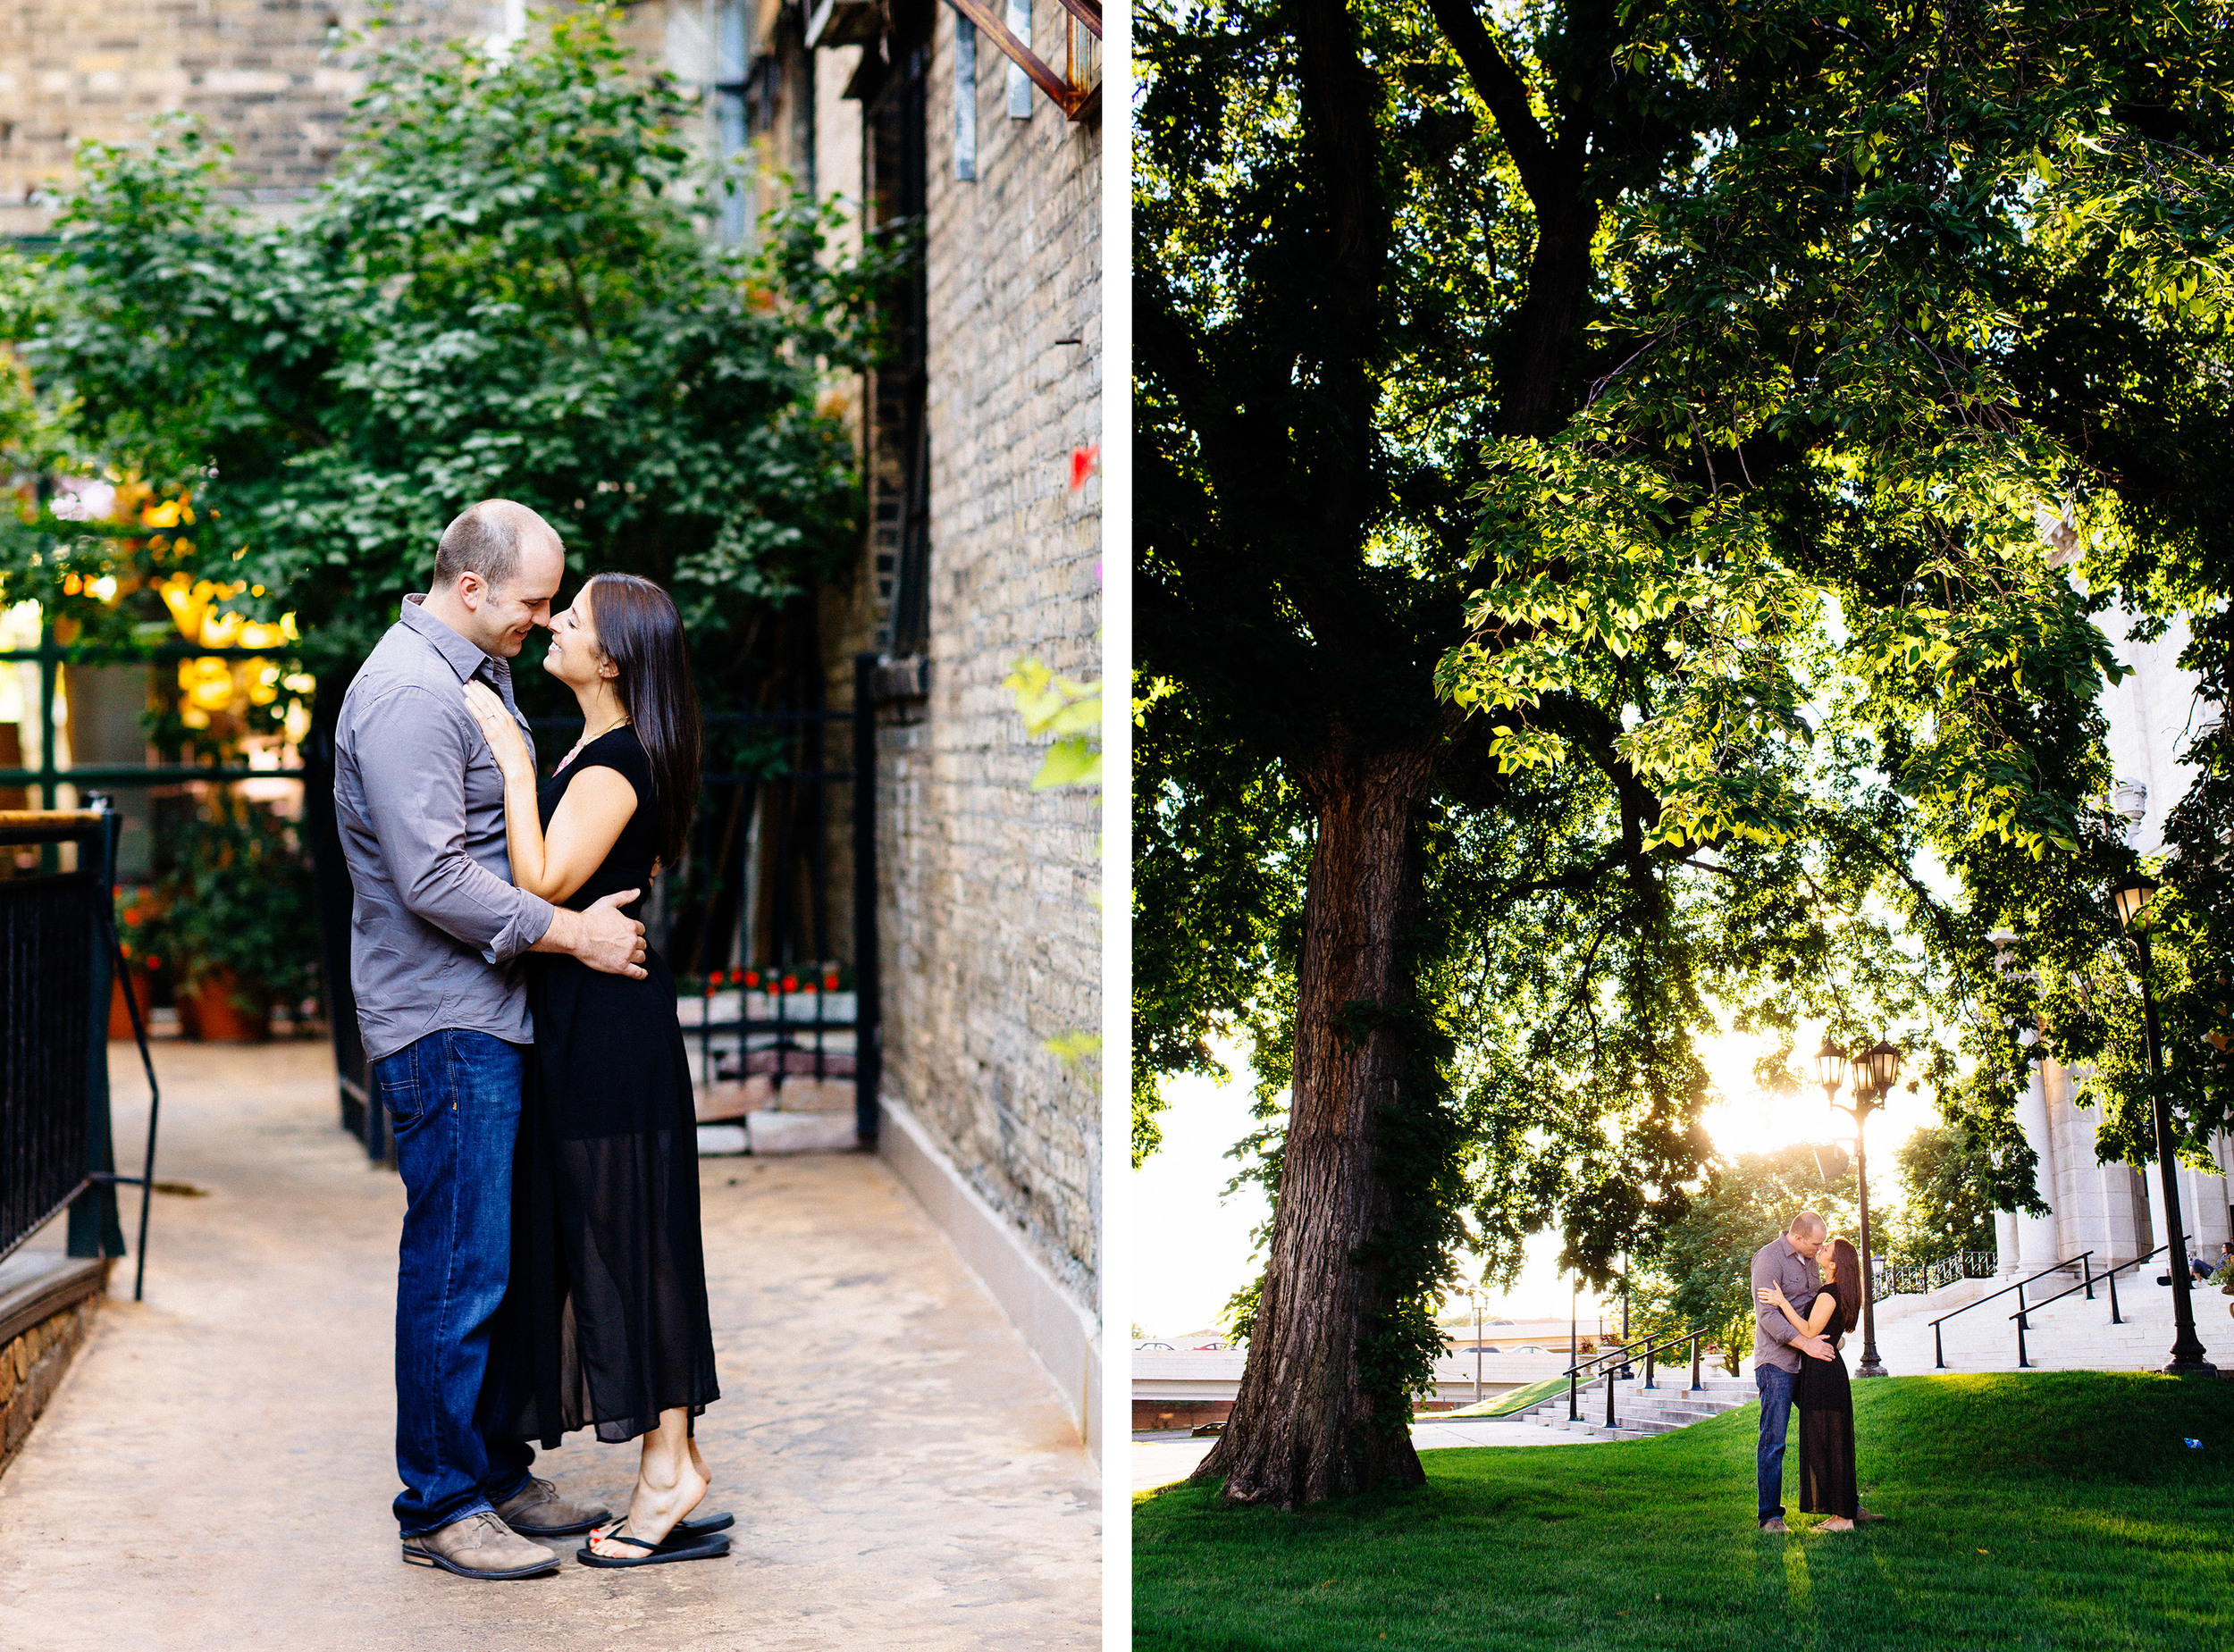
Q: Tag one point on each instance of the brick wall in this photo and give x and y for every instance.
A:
(31, 1367)
(253, 71)
(992, 946)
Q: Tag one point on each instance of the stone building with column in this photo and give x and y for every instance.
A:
(972, 126)
(2116, 1210)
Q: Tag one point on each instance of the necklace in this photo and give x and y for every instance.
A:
(619, 722)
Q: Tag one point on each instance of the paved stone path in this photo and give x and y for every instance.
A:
(1159, 1460)
(215, 1472)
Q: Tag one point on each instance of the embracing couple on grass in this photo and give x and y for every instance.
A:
(525, 1042)
(1798, 1323)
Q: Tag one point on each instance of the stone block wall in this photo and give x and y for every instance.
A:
(259, 73)
(994, 946)
(990, 939)
(31, 1367)
(256, 71)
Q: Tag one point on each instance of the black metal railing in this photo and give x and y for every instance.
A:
(789, 1035)
(59, 964)
(1620, 1357)
(2109, 1275)
(1939, 1349)
(1904, 1279)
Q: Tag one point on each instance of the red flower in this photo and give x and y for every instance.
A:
(753, 977)
(790, 983)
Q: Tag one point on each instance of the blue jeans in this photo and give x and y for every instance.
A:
(1775, 1417)
(455, 1101)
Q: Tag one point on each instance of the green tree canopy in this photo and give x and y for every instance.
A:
(1948, 1181)
(1589, 570)
(502, 290)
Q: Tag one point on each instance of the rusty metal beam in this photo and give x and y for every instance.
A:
(1059, 92)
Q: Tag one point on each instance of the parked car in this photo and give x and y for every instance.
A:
(1214, 1346)
(1152, 1347)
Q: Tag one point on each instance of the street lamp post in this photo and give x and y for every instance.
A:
(1873, 1072)
(2132, 897)
(1474, 1297)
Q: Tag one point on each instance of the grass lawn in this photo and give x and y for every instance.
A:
(2057, 1510)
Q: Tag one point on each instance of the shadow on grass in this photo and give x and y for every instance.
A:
(2060, 1509)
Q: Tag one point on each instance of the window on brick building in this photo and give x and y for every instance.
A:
(965, 99)
(1020, 84)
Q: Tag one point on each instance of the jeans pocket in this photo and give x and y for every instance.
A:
(399, 1086)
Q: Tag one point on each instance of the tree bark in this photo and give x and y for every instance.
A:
(1303, 1424)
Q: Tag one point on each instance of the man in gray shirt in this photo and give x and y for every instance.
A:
(1788, 1261)
(437, 938)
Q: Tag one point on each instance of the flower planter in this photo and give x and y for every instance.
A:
(209, 1014)
(121, 1018)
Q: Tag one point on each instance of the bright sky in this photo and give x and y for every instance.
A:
(1191, 1248)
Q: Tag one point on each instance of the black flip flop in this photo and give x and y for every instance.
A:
(702, 1526)
(654, 1554)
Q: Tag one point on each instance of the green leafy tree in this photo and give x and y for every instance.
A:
(1699, 1272)
(1589, 466)
(502, 290)
(1947, 1182)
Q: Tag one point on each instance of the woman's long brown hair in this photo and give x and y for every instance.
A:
(1846, 1274)
(638, 631)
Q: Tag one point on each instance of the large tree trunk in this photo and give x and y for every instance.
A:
(1304, 1425)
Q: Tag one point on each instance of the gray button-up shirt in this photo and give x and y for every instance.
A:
(1777, 1263)
(437, 928)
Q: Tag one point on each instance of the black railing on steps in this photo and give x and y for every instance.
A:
(1620, 1357)
(1938, 1351)
(2109, 1274)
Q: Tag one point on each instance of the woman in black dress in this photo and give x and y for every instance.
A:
(1823, 1394)
(605, 1323)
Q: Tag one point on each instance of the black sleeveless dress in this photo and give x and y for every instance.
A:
(1825, 1399)
(607, 1317)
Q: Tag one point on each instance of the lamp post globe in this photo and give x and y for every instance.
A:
(1830, 1067)
(1882, 1064)
(2132, 897)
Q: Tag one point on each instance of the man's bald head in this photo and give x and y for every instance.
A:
(489, 539)
(1807, 1229)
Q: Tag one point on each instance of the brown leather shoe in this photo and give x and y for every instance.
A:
(537, 1511)
(480, 1545)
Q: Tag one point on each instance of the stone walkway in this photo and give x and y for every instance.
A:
(215, 1472)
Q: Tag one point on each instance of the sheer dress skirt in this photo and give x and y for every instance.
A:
(1825, 1399)
(607, 1317)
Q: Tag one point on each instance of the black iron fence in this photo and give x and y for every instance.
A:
(58, 964)
(1900, 1277)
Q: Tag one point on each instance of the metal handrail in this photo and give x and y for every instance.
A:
(1938, 1352)
(1618, 1358)
(2109, 1274)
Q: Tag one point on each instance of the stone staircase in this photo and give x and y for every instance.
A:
(1639, 1411)
(2073, 1334)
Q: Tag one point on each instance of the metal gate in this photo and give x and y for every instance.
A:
(58, 948)
(759, 862)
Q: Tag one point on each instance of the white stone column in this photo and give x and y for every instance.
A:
(2038, 1237)
(2007, 1261)
(2209, 1222)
